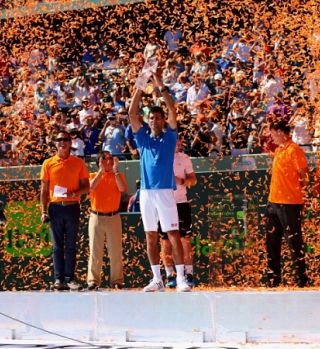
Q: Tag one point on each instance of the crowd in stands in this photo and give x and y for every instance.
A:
(228, 72)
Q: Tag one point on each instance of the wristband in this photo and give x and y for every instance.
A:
(117, 173)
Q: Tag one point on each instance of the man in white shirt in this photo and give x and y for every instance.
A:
(185, 178)
(270, 88)
(198, 92)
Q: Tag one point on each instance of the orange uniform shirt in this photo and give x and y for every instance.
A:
(64, 173)
(285, 185)
(106, 196)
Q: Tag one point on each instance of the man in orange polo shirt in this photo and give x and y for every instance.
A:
(285, 203)
(64, 178)
(106, 187)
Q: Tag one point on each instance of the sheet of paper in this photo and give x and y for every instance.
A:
(59, 192)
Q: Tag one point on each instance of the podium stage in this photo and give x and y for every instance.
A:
(129, 316)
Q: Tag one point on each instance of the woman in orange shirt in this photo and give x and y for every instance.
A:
(105, 228)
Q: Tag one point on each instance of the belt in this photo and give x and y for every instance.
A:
(64, 203)
(107, 214)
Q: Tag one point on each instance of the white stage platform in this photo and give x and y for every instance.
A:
(257, 316)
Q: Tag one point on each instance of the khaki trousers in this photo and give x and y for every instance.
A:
(105, 230)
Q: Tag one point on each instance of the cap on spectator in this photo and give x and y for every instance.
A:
(85, 99)
(218, 76)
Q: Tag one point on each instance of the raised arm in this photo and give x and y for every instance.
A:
(119, 176)
(133, 110)
(172, 114)
(103, 131)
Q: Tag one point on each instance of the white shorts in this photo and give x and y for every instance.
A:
(158, 205)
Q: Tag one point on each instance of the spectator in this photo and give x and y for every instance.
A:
(242, 50)
(80, 89)
(202, 140)
(118, 102)
(180, 89)
(90, 136)
(211, 76)
(41, 97)
(270, 88)
(300, 121)
(172, 37)
(85, 111)
(170, 74)
(239, 136)
(217, 132)
(77, 144)
(200, 65)
(196, 93)
(112, 137)
(74, 121)
(218, 91)
(199, 46)
(265, 140)
(152, 47)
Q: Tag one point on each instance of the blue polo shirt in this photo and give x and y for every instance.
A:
(156, 158)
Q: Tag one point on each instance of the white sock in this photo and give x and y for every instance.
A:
(180, 272)
(169, 270)
(156, 272)
(189, 269)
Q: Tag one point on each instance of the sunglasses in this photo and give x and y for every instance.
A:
(63, 139)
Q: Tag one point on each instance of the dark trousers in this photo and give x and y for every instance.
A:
(284, 220)
(64, 226)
